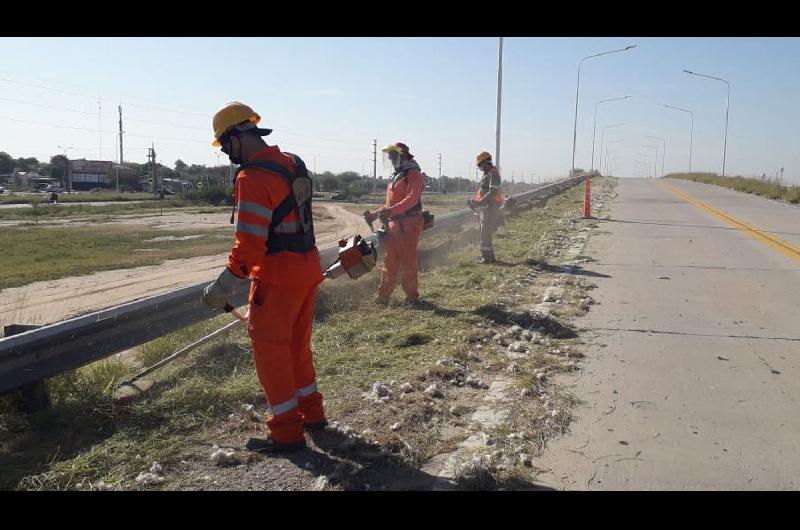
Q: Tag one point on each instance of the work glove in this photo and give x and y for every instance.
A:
(472, 203)
(383, 215)
(216, 294)
(370, 217)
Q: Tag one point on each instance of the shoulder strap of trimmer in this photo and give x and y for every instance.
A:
(300, 195)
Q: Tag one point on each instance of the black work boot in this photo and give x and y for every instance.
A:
(316, 426)
(268, 445)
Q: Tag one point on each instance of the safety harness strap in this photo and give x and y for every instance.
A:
(294, 242)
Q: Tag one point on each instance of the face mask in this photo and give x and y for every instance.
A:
(227, 148)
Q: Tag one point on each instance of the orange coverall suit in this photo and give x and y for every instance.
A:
(282, 296)
(402, 194)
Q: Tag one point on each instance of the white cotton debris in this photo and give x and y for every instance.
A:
(378, 394)
(435, 390)
(526, 460)
(407, 388)
(540, 376)
(395, 426)
(223, 457)
(147, 478)
(250, 412)
(156, 469)
(321, 482)
(514, 368)
(101, 486)
(525, 392)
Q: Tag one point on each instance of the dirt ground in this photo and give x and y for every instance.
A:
(52, 301)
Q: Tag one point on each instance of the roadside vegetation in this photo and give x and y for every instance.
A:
(765, 188)
(198, 401)
(48, 253)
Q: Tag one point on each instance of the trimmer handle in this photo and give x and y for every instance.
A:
(230, 309)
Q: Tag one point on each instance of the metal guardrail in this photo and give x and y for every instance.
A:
(49, 350)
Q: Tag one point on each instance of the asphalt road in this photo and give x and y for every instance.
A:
(692, 372)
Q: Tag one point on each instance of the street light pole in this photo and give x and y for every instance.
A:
(655, 159)
(577, 91)
(66, 168)
(499, 93)
(594, 127)
(663, 151)
(727, 108)
(648, 161)
(602, 139)
(691, 131)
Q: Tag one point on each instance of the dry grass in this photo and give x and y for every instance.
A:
(765, 188)
(85, 437)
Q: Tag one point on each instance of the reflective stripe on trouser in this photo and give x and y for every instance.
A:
(488, 218)
(401, 255)
(280, 330)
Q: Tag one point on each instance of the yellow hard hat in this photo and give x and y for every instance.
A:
(392, 148)
(483, 155)
(231, 115)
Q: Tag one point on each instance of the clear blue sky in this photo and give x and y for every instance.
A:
(327, 98)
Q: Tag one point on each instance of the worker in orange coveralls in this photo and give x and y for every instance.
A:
(403, 213)
(275, 247)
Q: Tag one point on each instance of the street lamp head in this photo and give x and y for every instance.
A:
(689, 72)
(631, 47)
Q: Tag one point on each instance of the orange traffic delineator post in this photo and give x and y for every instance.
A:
(587, 200)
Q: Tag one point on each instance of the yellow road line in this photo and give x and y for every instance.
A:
(768, 239)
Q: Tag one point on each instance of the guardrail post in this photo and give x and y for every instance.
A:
(31, 397)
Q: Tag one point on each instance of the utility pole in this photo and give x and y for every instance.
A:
(151, 155)
(150, 167)
(440, 172)
(120, 135)
(100, 126)
(499, 93)
(374, 164)
(781, 181)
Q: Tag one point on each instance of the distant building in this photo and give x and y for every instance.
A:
(89, 174)
(177, 185)
(31, 179)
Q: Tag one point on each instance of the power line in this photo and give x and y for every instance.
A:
(154, 107)
(49, 124)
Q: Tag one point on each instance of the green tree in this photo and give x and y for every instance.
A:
(181, 168)
(27, 164)
(6, 163)
(58, 164)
